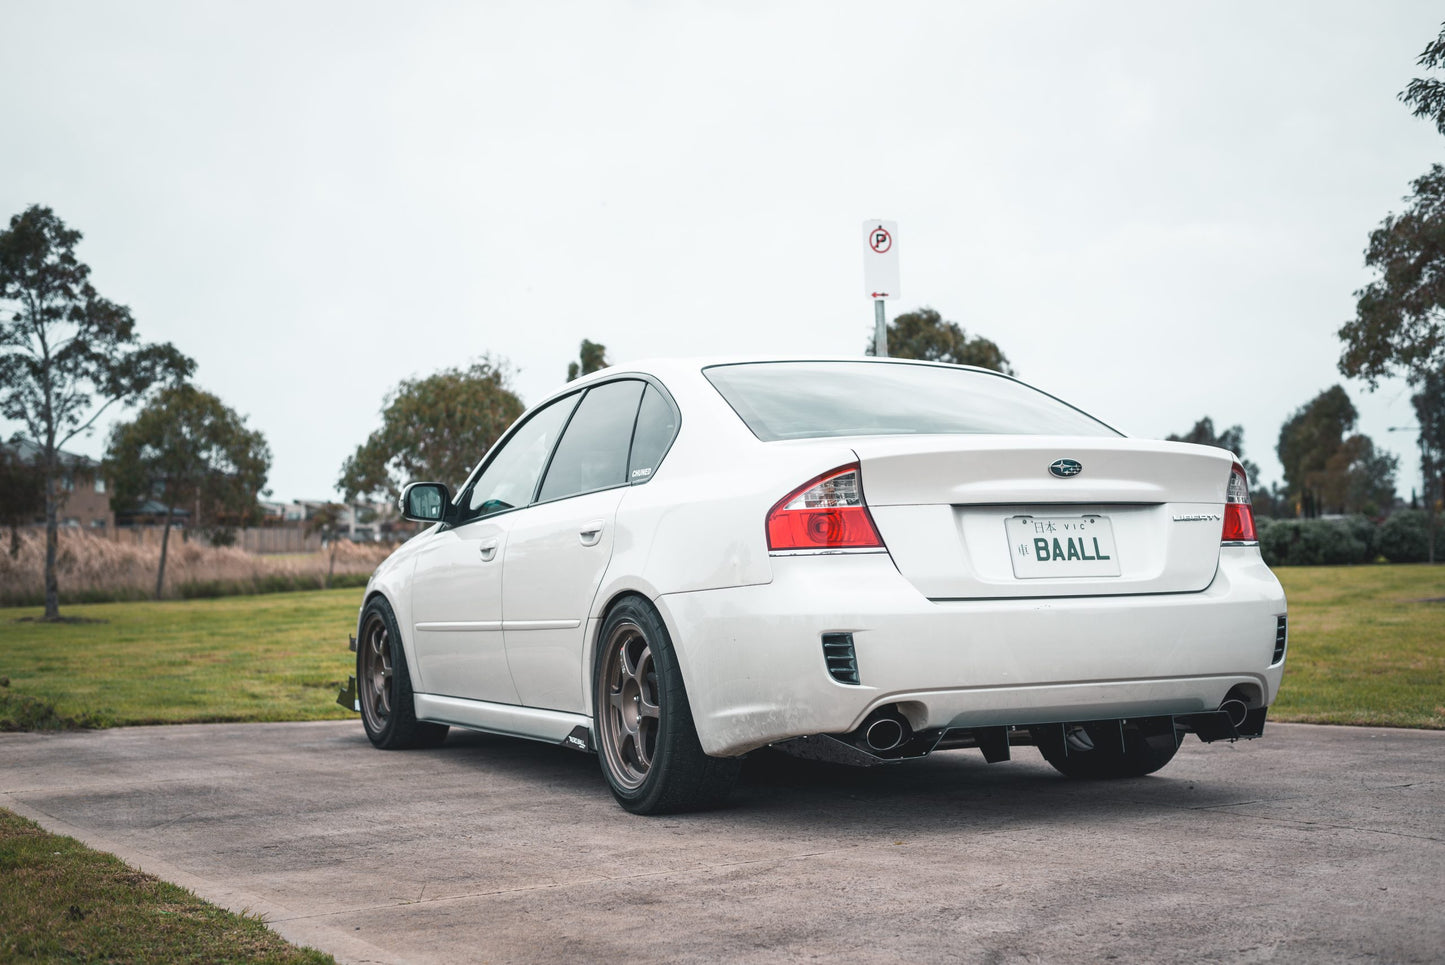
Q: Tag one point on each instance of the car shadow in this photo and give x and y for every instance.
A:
(778, 791)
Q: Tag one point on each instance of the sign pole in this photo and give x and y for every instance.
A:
(880, 330)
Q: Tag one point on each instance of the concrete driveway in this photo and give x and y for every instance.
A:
(1315, 844)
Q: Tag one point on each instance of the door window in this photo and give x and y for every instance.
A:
(593, 452)
(511, 477)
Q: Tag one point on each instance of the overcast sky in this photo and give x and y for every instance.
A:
(1158, 213)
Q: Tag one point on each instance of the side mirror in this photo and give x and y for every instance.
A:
(425, 502)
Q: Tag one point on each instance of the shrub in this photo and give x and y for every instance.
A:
(1367, 533)
(1316, 542)
(1405, 537)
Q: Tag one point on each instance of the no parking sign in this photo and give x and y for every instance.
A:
(880, 259)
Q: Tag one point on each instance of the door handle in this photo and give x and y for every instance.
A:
(488, 549)
(591, 533)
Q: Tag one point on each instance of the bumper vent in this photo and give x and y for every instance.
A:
(1280, 636)
(840, 656)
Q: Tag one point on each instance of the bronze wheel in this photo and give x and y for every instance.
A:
(383, 686)
(647, 742)
(630, 718)
(374, 674)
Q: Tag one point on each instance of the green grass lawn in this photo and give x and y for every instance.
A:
(62, 902)
(281, 656)
(1366, 646)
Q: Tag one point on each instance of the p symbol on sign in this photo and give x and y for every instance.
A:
(881, 240)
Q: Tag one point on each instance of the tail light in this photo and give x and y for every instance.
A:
(825, 513)
(1238, 513)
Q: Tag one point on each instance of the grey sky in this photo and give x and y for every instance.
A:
(1157, 212)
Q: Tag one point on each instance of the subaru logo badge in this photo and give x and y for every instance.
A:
(1064, 468)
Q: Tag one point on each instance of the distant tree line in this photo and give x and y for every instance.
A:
(1399, 323)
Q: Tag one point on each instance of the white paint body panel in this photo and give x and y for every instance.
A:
(551, 580)
(941, 626)
(940, 503)
(457, 612)
(963, 663)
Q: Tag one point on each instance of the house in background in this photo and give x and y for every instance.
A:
(361, 522)
(84, 501)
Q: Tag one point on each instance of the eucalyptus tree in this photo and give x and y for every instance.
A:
(591, 356)
(925, 335)
(435, 428)
(187, 448)
(66, 354)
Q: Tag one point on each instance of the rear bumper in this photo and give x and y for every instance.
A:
(753, 660)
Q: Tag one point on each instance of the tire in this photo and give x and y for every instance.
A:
(646, 741)
(383, 685)
(1093, 750)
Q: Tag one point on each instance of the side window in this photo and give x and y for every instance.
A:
(593, 452)
(511, 477)
(656, 425)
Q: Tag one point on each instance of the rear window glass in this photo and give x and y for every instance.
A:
(807, 400)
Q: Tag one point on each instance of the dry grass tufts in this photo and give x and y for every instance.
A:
(92, 569)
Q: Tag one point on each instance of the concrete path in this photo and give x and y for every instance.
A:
(1315, 844)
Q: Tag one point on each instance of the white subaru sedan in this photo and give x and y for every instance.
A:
(676, 563)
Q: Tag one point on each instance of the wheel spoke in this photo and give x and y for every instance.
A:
(641, 748)
(629, 662)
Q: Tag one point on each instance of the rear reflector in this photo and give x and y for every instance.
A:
(1238, 513)
(825, 513)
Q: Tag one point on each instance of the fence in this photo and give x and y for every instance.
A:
(278, 539)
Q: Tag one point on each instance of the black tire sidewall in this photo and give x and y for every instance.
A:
(1136, 759)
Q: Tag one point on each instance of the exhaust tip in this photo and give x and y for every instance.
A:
(884, 734)
(1237, 710)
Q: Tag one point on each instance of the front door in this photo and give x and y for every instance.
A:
(457, 613)
(457, 584)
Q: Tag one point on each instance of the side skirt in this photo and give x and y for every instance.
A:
(551, 726)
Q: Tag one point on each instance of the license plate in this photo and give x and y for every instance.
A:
(1061, 546)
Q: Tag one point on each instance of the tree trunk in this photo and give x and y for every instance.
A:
(165, 538)
(1430, 487)
(52, 535)
(14, 541)
(331, 567)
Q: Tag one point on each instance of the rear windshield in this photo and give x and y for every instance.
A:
(808, 400)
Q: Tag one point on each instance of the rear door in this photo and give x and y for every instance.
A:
(559, 548)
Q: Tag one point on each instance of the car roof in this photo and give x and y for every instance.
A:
(661, 366)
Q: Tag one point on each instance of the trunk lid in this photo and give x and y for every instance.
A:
(983, 516)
